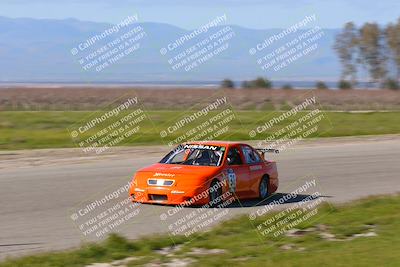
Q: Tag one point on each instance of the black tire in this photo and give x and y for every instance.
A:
(263, 191)
(214, 194)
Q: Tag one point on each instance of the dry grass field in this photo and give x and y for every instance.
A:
(92, 98)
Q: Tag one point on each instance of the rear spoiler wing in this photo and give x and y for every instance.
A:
(267, 150)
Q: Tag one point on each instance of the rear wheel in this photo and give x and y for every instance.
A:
(215, 193)
(263, 187)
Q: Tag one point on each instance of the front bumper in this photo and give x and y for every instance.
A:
(169, 196)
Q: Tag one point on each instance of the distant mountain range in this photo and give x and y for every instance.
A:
(33, 50)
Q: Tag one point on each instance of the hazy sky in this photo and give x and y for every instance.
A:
(193, 13)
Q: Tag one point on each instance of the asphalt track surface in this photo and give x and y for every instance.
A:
(39, 190)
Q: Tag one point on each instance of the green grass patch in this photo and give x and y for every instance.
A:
(244, 247)
(49, 129)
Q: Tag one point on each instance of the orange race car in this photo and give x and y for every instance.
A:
(201, 173)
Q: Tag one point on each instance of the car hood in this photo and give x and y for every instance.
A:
(160, 169)
(177, 172)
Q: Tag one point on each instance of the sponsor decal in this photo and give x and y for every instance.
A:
(164, 174)
(255, 168)
(200, 146)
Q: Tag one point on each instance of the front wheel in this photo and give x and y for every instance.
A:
(263, 187)
(215, 193)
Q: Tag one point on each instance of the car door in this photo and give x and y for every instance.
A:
(254, 164)
(238, 172)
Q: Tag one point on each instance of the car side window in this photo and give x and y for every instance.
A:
(257, 156)
(250, 156)
(234, 157)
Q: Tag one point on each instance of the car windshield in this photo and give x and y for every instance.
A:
(195, 154)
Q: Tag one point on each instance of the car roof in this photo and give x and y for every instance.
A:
(217, 143)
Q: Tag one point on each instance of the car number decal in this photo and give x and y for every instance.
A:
(231, 180)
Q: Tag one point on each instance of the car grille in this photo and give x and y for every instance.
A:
(158, 197)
